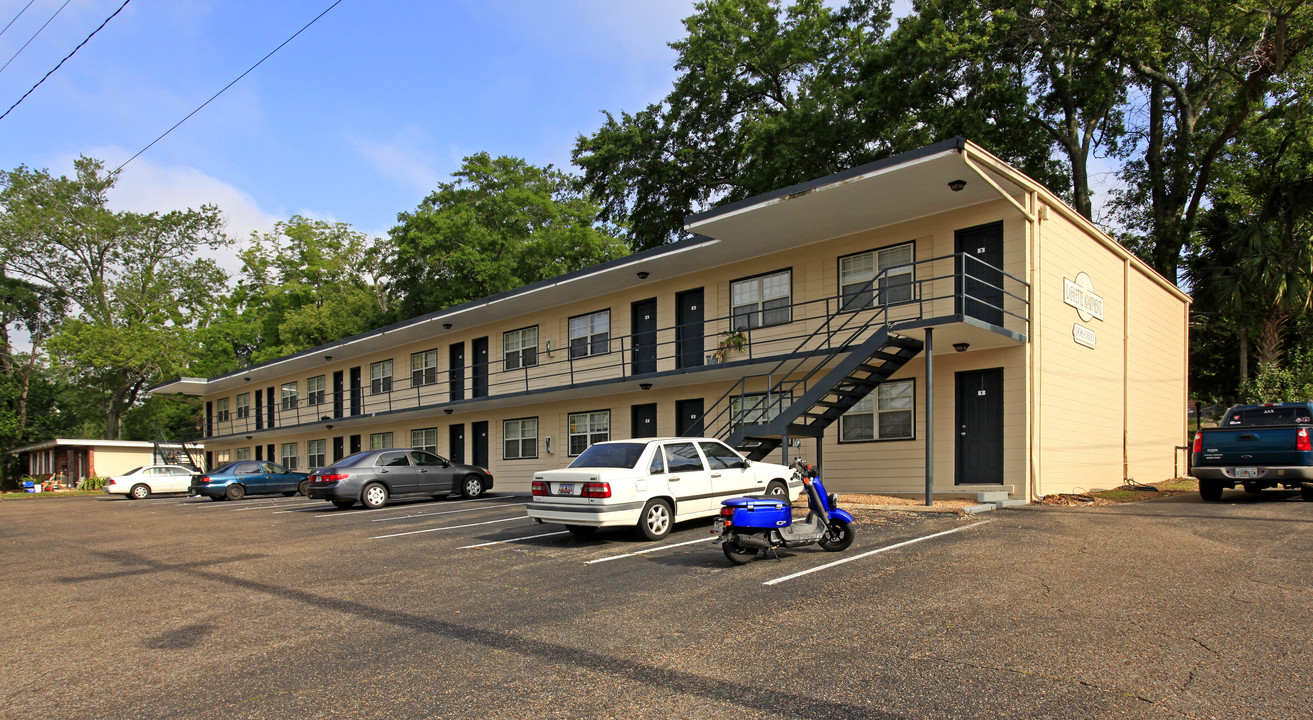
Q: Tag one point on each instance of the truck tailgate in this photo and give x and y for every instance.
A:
(1261, 446)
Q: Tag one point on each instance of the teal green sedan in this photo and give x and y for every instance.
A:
(236, 480)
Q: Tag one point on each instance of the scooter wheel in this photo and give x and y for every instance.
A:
(838, 536)
(738, 554)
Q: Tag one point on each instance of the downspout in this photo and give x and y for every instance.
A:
(1126, 368)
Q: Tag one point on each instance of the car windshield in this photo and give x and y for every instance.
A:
(1258, 417)
(610, 455)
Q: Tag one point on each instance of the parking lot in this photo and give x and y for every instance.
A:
(281, 607)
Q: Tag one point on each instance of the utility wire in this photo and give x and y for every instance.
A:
(66, 57)
(225, 87)
(38, 32)
(19, 15)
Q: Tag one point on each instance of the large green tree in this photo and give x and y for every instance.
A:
(500, 224)
(136, 282)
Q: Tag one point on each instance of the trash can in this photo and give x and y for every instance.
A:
(29, 486)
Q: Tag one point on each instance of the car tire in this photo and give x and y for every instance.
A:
(838, 536)
(777, 489)
(655, 521)
(289, 493)
(1210, 490)
(738, 554)
(304, 488)
(1306, 492)
(374, 496)
(582, 532)
(344, 504)
(139, 492)
(235, 492)
(471, 487)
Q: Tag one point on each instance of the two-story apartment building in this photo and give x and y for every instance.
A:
(936, 317)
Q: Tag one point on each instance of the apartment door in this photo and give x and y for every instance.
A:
(338, 386)
(479, 348)
(643, 322)
(480, 430)
(456, 371)
(209, 419)
(356, 404)
(982, 282)
(689, 314)
(259, 452)
(979, 452)
(259, 410)
(337, 448)
(270, 454)
(354, 444)
(456, 443)
(643, 421)
(271, 412)
(688, 418)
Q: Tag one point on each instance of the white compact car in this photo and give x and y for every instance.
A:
(142, 482)
(652, 483)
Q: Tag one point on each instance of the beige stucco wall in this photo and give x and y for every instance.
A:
(107, 461)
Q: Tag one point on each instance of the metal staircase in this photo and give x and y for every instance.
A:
(184, 452)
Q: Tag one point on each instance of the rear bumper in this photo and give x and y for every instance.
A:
(621, 514)
(1294, 474)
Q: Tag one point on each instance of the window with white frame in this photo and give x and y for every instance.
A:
(758, 408)
(221, 410)
(587, 428)
(857, 271)
(762, 300)
(242, 454)
(289, 396)
(314, 390)
(423, 368)
(590, 334)
(314, 454)
(520, 348)
(221, 457)
(520, 438)
(243, 405)
(886, 414)
(289, 455)
(425, 439)
(380, 441)
(380, 377)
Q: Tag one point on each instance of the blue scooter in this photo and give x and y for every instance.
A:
(750, 525)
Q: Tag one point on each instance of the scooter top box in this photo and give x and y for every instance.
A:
(758, 512)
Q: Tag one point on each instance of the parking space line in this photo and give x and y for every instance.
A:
(518, 539)
(869, 553)
(440, 512)
(449, 527)
(269, 507)
(640, 552)
(407, 507)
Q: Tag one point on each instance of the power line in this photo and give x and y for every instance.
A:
(19, 15)
(225, 87)
(66, 57)
(38, 32)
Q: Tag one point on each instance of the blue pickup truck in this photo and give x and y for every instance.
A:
(1256, 447)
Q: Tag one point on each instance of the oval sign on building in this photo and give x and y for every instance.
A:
(1079, 293)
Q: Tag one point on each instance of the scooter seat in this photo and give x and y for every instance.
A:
(754, 503)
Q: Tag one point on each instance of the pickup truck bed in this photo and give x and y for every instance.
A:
(1256, 447)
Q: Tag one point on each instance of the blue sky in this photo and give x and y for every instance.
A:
(355, 120)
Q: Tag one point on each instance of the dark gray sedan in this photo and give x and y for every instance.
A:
(375, 476)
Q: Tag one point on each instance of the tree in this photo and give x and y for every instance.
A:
(136, 282)
(501, 224)
(307, 283)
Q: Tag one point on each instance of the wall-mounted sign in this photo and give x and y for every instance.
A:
(1079, 293)
(1083, 336)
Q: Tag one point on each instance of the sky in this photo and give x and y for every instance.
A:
(355, 120)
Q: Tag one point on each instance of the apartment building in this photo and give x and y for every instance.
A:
(936, 320)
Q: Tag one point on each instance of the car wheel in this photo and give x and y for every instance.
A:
(838, 536)
(655, 521)
(304, 488)
(777, 489)
(139, 492)
(374, 496)
(471, 486)
(581, 531)
(1210, 490)
(235, 492)
(738, 554)
(344, 504)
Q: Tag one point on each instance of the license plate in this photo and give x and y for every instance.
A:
(1246, 472)
(565, 489)
(720, 525)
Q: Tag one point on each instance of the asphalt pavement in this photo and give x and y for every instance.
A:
(287, 608)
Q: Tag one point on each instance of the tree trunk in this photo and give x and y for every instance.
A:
(1269, 339)
(1244, 354)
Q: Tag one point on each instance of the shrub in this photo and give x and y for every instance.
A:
(1289, 383)
(94, 482)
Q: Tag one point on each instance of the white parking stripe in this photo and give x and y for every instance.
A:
(640, 552)
(449, 527)
(518, 539)
(873, 552)
(406, 507)
(441, 512)
(268, 507)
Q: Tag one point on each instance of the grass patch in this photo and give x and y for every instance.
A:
(1126, 493)
(48, 495)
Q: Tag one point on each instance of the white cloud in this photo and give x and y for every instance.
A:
(402, 161)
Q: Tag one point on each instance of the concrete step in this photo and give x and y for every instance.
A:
(992, 496)
(977, 509)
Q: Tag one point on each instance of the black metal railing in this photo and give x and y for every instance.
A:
(941, 287)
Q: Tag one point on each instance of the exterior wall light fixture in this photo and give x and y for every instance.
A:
(957, 185)
(448, 411)
(961, 347)
(446, 326)
(645, 386)
(642, 274)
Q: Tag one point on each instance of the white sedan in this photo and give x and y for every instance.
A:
(142, 482)
(652, 483)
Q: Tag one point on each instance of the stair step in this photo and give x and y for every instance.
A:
(992, 496)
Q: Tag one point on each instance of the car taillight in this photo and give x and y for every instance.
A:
(539, 487)
(333, 477)
(203, 479)
(597, 490)
(1302, 441)
(1198, 442)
